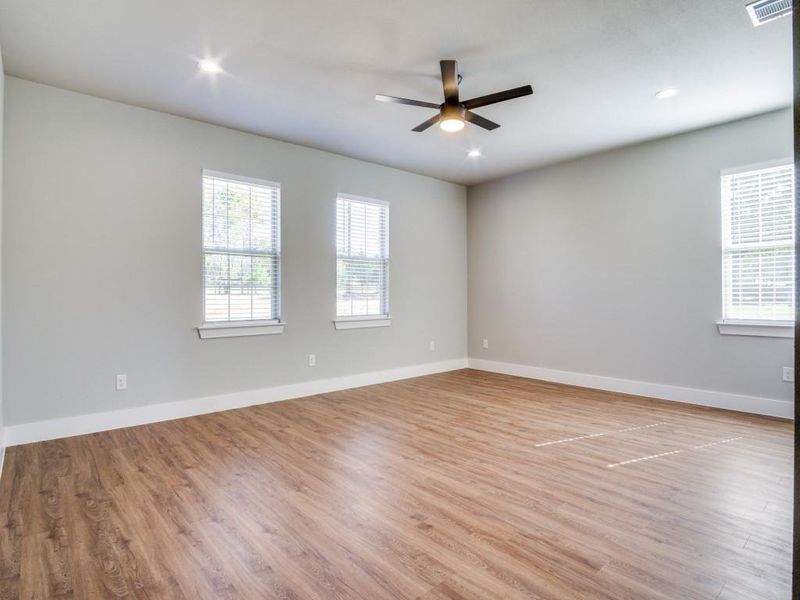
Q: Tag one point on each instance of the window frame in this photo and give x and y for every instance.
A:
(342, 322)
(777, 328)
(242, 327)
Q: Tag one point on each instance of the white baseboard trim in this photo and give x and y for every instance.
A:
(26, 433)
(726, 400)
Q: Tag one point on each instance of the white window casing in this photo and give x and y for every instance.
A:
(758, 250)
(362, 262)
(241, 256)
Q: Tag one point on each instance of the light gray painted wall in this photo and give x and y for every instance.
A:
(610, 265)
(2, 119)
(102, 260)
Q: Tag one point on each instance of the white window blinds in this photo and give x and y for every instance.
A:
(758, 244)
(362, 257)
(241, 249)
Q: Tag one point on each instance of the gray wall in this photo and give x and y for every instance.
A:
(610, 265)
(2, 119)
(102, 260)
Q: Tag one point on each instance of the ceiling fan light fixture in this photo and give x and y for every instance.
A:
(452, 117)
(451, 124)
(454, 113)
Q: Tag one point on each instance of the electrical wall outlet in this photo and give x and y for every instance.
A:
(486, 343)
(122, 382)
(432, 345)
(312, 360)
(788, 374)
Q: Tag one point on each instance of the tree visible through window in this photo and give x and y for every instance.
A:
(758, 244)
(362, 257)
(241, 249)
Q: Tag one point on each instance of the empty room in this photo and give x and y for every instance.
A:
(410, 300)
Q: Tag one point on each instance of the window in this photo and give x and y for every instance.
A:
(362, 258)
(758, 245)
(241, 250)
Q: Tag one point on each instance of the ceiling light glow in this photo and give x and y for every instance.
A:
(667, 93)
(209, 66)
(474, 153)
(451, 125)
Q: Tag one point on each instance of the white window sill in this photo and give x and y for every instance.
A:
(777, 329)
(226, 329)
(362, 322)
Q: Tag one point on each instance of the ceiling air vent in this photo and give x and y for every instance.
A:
(764, 11)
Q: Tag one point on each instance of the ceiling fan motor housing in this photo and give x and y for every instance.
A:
(453, 111)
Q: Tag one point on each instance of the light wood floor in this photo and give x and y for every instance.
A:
(437, 487)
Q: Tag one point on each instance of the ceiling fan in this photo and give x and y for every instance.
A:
(453, 113)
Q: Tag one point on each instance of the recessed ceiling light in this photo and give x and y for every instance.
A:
(209, 66)
(667, 93)
(474, 153)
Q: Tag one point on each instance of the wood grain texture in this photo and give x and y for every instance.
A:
(434, 488)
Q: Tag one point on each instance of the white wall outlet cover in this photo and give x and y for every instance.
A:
(122, 382)
(788, 374)
(485, 343)
(432, 345)
(312, 360)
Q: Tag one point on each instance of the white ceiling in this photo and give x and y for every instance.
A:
(306, 71)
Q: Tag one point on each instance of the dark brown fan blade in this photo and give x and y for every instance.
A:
(450, 80)
(525, 90)
(423, 126)
(480, 121)
(396, 100)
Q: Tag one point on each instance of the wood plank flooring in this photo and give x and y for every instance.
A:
(440, 487)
